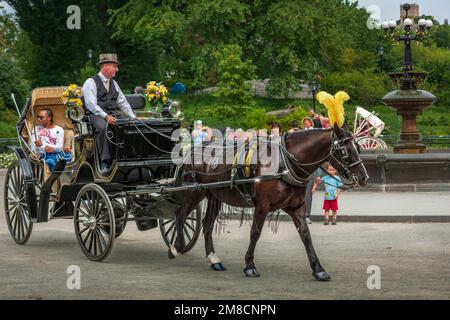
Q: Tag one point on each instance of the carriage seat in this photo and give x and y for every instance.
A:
(136, 101)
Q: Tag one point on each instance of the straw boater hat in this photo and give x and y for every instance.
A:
(107, 58)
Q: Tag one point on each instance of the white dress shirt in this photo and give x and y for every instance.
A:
(90, 98)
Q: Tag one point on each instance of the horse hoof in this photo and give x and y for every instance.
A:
(251, 273)
(170, 254)
(322, 276)
(218, 266)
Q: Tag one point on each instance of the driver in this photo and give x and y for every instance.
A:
(103, 99)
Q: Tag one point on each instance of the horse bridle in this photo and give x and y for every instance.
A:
(339, 153)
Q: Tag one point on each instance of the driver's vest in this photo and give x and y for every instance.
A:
(106, 100)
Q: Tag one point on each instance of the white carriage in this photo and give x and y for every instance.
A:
(367, 129)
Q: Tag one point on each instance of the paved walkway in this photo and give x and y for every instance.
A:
(390, 206)
(414, 258)
(414, 262)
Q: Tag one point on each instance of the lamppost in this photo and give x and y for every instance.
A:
(409, 102)
(407, 33)
(314, 86)
(381, 53)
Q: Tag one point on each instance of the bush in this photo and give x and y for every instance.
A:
(6, 159)
(298, 114)
(257, 119)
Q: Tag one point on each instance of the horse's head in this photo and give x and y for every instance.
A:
(345, 157)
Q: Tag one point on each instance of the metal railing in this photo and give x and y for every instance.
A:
(441, 141)
(5, 142)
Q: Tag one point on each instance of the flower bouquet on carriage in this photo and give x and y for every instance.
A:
(156, 95)
(160, 105)
(71, 98)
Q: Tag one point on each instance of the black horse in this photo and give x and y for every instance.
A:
(304, 152)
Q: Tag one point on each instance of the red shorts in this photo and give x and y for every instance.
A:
(330, 204)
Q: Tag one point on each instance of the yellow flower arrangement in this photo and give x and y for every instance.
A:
(71, 98)
(156, 93)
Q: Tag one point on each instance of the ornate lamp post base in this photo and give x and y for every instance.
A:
(409, 104)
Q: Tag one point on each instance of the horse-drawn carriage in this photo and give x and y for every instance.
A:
(100, 205)
(367, 130)
(145, 185)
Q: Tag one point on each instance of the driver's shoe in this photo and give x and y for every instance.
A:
(104, 168)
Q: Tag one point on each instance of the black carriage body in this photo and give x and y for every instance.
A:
(148, 139)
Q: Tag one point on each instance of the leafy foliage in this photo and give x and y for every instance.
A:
(232, 74)
(12, 80)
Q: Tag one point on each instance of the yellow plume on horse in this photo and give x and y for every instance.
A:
(334, 105)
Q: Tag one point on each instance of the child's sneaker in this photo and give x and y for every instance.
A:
(334, 223)
(326, 222)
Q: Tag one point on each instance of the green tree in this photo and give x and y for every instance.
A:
(441, 36)
(12, 81)
(233, 73)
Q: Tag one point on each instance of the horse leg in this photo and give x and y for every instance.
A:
(212, 212)
(299, 219)
(259, 217)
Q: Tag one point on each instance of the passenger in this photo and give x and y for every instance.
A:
(48, 139)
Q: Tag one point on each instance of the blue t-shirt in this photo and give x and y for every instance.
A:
(331, 186)
(200, 137)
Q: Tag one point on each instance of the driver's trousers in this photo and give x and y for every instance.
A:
(103, 147)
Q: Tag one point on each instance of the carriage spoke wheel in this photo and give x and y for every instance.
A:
(121, 214)
(16, 206)
(371, 144)
(191, 229)
(94, 222)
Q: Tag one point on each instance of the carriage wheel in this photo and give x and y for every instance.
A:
(16, 206)
(370, 144)
(121, 215)
(94, 222)
(192, 228)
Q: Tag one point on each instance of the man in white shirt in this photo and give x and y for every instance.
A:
(102, 100)
(48, 139)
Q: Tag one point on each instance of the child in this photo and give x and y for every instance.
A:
(332, 182)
